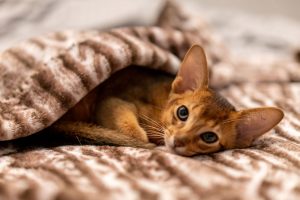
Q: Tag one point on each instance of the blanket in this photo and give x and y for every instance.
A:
(45, 76)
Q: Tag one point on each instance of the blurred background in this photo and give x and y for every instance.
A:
(286, 8)
(275, 21)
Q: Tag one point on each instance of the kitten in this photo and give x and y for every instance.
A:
(138, 107)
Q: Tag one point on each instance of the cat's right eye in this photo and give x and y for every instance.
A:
(182, 113)
(209, 137)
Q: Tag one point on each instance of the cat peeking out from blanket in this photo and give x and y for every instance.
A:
(140, 107)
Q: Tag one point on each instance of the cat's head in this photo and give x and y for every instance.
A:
(199, 120)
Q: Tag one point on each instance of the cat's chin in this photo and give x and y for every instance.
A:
(180, 152)
(183, 152)
(169, 143)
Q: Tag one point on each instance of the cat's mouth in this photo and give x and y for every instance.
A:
(170, 144)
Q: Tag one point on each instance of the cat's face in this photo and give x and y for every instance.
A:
(198, 120)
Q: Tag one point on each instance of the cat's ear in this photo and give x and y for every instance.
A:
(253, 123)
(193, 72)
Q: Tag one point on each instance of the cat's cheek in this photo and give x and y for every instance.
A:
(228, 137)
(167, 118)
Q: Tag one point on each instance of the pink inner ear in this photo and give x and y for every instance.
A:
(254, 123)
(193, 73)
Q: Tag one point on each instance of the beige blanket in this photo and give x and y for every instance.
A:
(45, 76)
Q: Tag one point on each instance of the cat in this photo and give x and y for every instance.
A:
(142, 108)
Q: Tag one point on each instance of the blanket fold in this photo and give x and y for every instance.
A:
(45, 76)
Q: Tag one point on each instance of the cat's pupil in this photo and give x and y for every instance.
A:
(209, 137)
(182, 113)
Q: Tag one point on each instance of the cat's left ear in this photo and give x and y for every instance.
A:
(253, 123)
(193, 72)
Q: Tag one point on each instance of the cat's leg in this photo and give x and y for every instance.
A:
(117, 114)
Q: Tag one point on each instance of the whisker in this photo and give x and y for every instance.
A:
(164, 125)
(146, 119)
(155, 136)
(152, 127)
(150, 132)
(151, 120)
(155, 132)
(147, 126)
(78, 140)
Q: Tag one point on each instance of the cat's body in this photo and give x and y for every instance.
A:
(138, 105)
(146, 91)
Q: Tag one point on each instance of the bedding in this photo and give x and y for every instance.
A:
(44, 76)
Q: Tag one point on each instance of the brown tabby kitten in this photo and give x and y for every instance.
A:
(137, 106)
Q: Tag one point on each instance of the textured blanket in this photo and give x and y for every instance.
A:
(43, 77)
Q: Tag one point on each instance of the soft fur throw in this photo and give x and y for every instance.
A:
(43, 77)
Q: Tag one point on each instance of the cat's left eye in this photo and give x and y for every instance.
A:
(182, 113)
(209, 137)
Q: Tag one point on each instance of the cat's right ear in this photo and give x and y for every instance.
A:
(253, 123)
(193, 72)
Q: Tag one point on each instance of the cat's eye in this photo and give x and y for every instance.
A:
(182, 113)
(209, 137)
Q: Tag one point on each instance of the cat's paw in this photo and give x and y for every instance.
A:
(140, 134)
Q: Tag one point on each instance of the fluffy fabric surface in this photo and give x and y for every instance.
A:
(45, 76)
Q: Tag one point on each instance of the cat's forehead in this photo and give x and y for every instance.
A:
(208, 101)
(215, 105)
